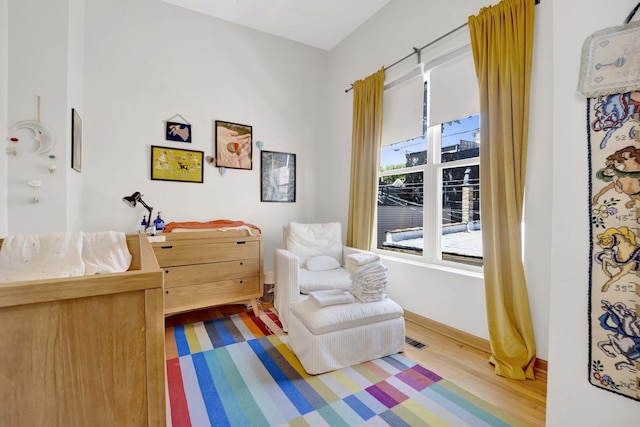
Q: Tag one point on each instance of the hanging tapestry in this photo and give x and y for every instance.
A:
(614, 306)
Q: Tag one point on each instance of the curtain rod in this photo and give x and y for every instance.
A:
(418, 50)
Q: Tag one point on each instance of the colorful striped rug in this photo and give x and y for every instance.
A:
(238, 371)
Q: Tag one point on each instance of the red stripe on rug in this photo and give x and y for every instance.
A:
(390, 390)
(250, 321)
(376, 369)
(260, 324)
(177, 398)
(273, 316)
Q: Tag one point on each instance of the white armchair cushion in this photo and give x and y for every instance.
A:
(345, 316)
(309, 240)
(322, 263)
(309, 281)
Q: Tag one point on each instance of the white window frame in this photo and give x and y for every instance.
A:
(432, 203)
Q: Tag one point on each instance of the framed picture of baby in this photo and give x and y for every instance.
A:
(234, 145)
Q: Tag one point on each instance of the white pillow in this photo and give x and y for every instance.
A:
(308, 240)
(310, 281)
(322, 263)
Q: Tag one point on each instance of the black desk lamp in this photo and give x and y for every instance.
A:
(135, 198)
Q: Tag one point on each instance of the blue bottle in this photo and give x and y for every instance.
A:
(158, 224)
(143, 225)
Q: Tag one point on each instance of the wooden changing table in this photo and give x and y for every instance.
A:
(207, 268)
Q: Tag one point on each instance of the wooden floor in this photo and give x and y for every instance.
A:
(464, 366)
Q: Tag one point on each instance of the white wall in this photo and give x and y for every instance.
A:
(75, 98)
(4, 90)
(127, 66)
(146, 61)
(447, 296)
(571, 399)
(37, 64)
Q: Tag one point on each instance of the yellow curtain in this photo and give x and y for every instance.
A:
(502, 43)
(368, 96)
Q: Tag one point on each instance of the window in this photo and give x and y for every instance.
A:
(429, 186)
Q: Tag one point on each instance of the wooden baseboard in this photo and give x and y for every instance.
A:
(461, 336)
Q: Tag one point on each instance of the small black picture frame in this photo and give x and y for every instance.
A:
(277, 177)
(175, 131)
(76, 141)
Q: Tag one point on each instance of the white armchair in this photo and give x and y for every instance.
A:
(313, 259)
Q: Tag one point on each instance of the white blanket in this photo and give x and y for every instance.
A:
(56, 255)
(331, 297)
(362, 258)
(372, 267)
(105, 252)
(368, 296)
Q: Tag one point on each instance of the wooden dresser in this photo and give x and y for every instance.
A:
(207, 268)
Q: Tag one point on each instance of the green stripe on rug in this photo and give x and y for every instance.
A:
(475, 405)
(237, 395)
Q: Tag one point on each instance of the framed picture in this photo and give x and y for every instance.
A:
(171, 164)
(277, 177)
(175, 131)
(76, 141)
(234, 145)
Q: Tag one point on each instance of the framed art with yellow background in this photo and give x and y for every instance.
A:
(171, 164)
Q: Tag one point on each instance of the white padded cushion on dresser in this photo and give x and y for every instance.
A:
(344, 316)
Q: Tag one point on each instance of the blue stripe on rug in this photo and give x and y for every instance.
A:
(347, 413)
(182, 345)
(311, 396)
(399, 362)
(359, 407)
(223, 332)
(239, 406)
(193, 394)
(214, 335)
(281, 379)
(213, 402)
(372, 403)
(393, 420)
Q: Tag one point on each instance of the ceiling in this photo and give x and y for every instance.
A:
(318, 23)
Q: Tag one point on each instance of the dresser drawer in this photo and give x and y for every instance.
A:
(181, 253)
(184, 298)
(206, 273)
